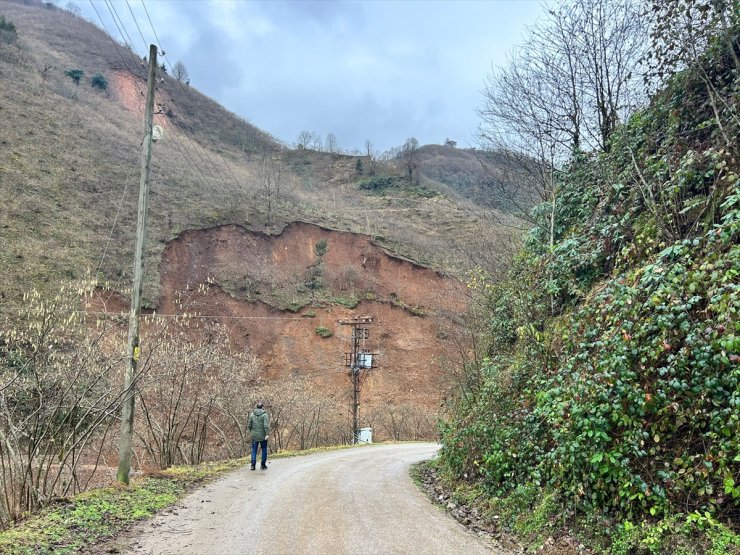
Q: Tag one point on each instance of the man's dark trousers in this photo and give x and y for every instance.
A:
(263, 445)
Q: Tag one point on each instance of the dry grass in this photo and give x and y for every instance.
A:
(69, 168)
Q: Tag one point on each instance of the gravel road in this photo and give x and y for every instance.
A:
(349, 501)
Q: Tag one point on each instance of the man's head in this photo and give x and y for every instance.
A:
(260, 405)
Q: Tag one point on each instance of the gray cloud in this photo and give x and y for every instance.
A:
(378, 70)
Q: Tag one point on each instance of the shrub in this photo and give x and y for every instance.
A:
(8, 33)
(380, 183)
(324, 332)
(99, 81)
(75, 74)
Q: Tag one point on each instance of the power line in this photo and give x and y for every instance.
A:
(137, 24)
(178, 145)
(228, 168)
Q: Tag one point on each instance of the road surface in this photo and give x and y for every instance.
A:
(352, 501)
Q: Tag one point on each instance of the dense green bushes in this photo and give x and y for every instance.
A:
(612, 382)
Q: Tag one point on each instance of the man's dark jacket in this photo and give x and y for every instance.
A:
(259, 425)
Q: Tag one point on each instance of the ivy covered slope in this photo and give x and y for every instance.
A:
(610, 388)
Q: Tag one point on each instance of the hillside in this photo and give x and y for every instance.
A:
(245, 281)
(70, 166)
(607, 403)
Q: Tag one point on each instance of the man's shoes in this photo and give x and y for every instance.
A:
(252, 467)
(263, 467)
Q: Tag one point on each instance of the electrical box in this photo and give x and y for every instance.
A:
(365, 360)
(365, 435)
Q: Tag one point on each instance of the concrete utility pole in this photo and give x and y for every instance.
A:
(132, 352)
(358, 359)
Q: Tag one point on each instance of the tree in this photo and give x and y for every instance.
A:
(180, 72)
(74, 9)
(682, 31)
(8, 33)
(272, 182)
(410, 157)
(75, 74)
(99, 81)
(562, 91)
(331, 143)
(304, 139)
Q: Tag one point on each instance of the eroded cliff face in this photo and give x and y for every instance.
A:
(414, 309)
(410, 304)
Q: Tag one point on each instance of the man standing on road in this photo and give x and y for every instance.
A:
(259, 425)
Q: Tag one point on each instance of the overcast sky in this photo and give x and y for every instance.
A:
(383, 70)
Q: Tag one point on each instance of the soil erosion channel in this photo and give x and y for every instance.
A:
(358, 500)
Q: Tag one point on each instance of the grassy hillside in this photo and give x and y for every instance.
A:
(608, 399)
(69, 168)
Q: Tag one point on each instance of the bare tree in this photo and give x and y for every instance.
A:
(563, 90)
(272, 182)
(74, 9)
(180, 72)
(316, 143)
(305, 138)
(57, 397)
(331, 143)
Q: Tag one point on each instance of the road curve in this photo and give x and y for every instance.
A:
(352, 501)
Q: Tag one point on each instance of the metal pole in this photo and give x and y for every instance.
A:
(132, 352)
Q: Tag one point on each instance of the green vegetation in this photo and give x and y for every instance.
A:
(347, 302)
(383, 184)
(323, 332)
(99, 81)
(8, 33)
(75, 74)
(610, 392)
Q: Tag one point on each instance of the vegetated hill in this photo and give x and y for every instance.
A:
(609, 398)
(487, 178)
(71, 157)
(219, 230)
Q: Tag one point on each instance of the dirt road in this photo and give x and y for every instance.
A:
(341, 502)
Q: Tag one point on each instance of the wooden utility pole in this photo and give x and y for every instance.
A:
(358, 359)
(132, 352)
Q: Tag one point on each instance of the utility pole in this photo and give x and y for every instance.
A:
(132, 353)
(358, 360)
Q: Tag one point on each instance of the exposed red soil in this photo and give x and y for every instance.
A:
(409, 345)
(130, 91)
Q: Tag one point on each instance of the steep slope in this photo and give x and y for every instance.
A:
(613, 376)
(70, 166)
(412, 307)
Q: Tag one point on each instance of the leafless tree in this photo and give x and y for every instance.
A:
(186, 392)
(563, 90)
(305, 138)
(57, 396)
(331, 143)
(316, 143)
(273, 183)
(180, 72)
(74, 9)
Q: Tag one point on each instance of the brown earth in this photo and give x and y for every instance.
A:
(412, 307)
